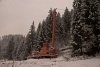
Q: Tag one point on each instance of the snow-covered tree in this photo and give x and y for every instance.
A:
(10, 49)
(59, 31)
(84, 26)
(30, 39)
(66, 18)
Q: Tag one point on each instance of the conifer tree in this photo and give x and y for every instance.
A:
(38, 37)
(10, 49)
(30, 39)
(76, 40)
(48, 28)
(86, 31)
(38, 29)
(59, 31)
(43, 36)
(66, 18)
(84, 26)
(95, 22)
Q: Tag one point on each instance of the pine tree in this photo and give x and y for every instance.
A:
(39, 36)
(76, 39)
(21, 52)
(59, 31)
(30, 39)
(42, 38)
(86, 32)
(46, 30)
(84, 26)
(66, 18)
(10, 49)
(48, 26)
(98, 26)
(38, 29)
(95, 22)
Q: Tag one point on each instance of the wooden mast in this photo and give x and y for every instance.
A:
(53, 27)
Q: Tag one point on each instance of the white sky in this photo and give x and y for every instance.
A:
(16, 16)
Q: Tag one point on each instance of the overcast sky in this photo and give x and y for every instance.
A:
(16, 16)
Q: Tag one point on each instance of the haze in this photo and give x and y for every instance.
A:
(16, 16)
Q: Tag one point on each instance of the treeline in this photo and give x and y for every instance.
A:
(18, 47)
(79, 28)
(11, 46)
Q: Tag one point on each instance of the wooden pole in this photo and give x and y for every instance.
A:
(53, 29)
(13, 64)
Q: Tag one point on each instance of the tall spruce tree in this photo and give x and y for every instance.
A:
(98, 26)
(87, 30)
(66, 18)
(10, 49)
(21, 51)
(59, 31)
(38, 29)
(48, 28)
(38, 36)
(42, 38)
(95, 22)
(76, 40)
(84, 27)
(30, 39)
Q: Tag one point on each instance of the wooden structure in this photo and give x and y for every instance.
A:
(47, 51)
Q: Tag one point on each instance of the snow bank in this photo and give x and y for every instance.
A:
(57, 62)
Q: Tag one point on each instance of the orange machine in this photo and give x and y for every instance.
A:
(47, 51)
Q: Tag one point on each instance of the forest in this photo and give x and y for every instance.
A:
(79, 28)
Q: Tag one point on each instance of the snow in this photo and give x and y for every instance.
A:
(57, 62)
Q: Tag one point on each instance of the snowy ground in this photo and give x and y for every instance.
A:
(58, 62)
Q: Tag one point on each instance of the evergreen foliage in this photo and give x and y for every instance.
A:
(83, 27)
(66, 18)
(9, 46)
(79, 28)
(10, 49)
(30, 40)
(45, 30)
(59, 32)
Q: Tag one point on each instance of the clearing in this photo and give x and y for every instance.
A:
(57, 62)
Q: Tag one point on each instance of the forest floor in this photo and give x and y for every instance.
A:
(57, 62)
